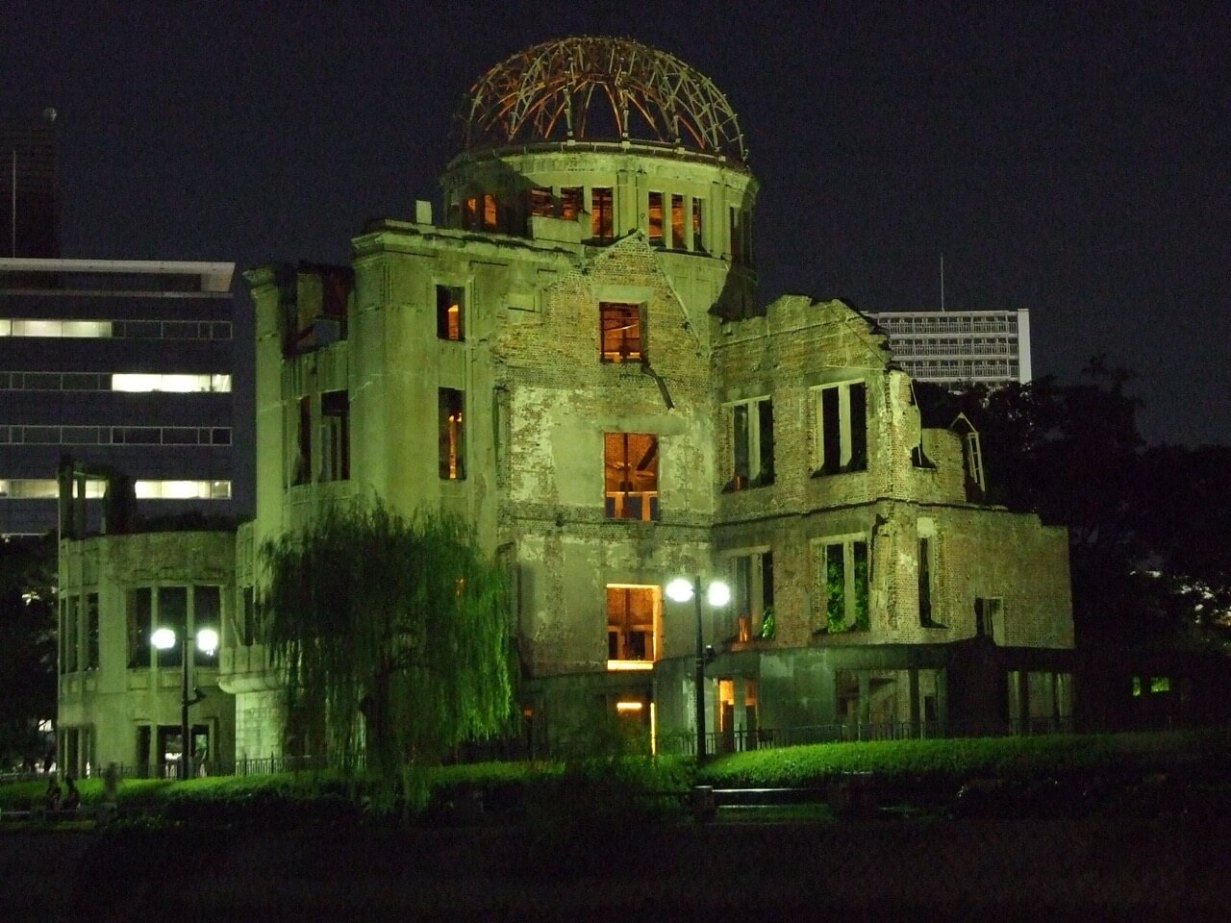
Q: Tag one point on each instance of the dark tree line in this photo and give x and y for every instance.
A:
(1149, 525)
(27, 648)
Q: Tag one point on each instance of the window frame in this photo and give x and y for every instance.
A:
(851, 435)
(618, 477)
(751, 444)
(612, 316)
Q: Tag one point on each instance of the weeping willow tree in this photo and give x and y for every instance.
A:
(391, 634)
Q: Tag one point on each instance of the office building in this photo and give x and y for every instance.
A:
(119, 369)
(957, 348)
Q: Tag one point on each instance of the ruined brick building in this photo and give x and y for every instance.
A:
(574, 358)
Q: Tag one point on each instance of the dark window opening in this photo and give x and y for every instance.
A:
(248, 629)
(843, 428)
(140, 625)
(335, 436)
(752, 444)
(989, 616)
(631, 476)
(301, 472)
(452, 441)
(91, 631)
(698, 225)
(449, 317)
(620, 332)
(925, 584)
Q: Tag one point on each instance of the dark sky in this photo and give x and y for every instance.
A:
(1073, 162)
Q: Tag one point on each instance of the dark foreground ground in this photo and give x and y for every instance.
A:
(986, 869)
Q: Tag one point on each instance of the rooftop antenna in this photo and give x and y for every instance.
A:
(942, 281)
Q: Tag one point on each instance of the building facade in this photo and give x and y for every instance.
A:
(574, 360)
(113, 366)
(119, 696)
(959, 348)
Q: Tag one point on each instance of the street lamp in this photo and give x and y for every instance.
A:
(207, 642)
(718, 594)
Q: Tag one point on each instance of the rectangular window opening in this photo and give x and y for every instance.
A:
(449, 313)
(677, 222)
(452, 441)
(602, 214)
(634, 639)
(842, 428)
(752, 444)
(335, 436)
(631, 476)
(656, 219)
(620, 332)
(843, 577)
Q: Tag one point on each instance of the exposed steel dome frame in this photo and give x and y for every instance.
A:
(551, 91)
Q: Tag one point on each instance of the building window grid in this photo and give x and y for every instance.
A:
(118, 381)
(65, 328)
(116, 435)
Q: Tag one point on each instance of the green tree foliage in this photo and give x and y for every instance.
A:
(393, 635)
(27, 647)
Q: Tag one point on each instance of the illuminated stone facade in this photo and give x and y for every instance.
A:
(574, 359)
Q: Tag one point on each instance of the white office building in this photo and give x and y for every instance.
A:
(954, 348)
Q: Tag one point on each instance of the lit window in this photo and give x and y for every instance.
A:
(631, 479)
(570, 202)
(449, 301)
(182, 490)
(677, 222)
(480, 213)
(633, 626)
(842, 583)
(180, 384)
(656, 219)
(841, 442)
(452, 435)
(752, 443)
(620, 332)
(540, 203)
(602, 214)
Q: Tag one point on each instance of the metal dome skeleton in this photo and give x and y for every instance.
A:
(598, 89)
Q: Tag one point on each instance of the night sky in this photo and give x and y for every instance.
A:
(1076, 163)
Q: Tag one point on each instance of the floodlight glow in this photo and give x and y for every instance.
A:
(718, 594)
(163, 639)
(680, 590)
(207, 640)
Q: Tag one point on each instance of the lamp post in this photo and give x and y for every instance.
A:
(207, 642)
(681, 590)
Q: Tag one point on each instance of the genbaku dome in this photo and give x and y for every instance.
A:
(572, 354)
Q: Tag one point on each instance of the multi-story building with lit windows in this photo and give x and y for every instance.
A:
(956, 348)
(121, 367)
